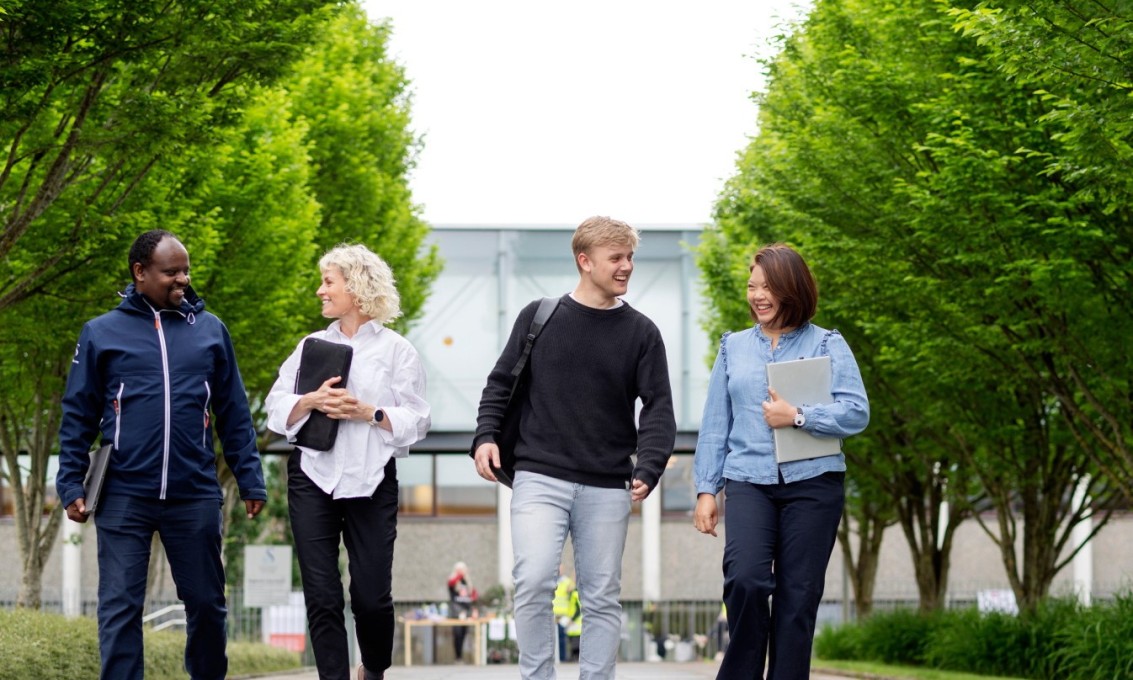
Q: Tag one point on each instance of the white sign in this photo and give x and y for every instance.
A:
(267, 575)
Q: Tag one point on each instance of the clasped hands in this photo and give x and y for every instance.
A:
(337, 402)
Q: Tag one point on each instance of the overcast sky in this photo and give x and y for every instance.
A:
(540, 112)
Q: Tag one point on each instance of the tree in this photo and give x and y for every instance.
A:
(103, 102)
(889, 151)
(353, 99)
(97, 93)
(1074, 57)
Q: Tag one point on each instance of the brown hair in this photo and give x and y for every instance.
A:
(602, 231)
(790, 281)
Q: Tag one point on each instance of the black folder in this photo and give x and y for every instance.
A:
(96, 475)
(320, 360)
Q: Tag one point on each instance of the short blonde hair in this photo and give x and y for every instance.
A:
(602, 231)
(368, 279)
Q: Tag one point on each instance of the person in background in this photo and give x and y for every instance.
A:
(782, 518)
(561, 607)
(573, 627)
(149, 376)
(462, 604)
(584, 453)
(350, 492)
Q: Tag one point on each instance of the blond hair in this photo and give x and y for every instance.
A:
(368, 279)
(602, 231)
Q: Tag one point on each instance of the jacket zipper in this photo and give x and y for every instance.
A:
(118, 413)
(168, 407)
(205, 434)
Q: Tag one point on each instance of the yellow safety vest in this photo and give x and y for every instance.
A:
(562, 596)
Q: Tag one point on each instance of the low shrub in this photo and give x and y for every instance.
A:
(988, 644)
(39, 646)
(1099, 646)
(897, 637)
(839, 643)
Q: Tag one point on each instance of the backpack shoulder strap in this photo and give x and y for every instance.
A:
(547, 307)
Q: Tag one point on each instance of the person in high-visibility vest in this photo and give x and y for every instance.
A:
(574, 626)
(562, 608)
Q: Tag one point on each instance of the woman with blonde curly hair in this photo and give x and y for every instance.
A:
(350, 492)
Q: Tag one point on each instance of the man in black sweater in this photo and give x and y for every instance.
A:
(575, 470)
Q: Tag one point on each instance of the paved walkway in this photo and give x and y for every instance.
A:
(697, 670)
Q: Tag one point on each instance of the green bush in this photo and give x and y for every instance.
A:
(38, 646)
(1060, 639)
(1043, 629)
(897, 637)
(1099, 646)
(839, 643)
(987, 644)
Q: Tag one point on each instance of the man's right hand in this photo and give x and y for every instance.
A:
(77, 511)
(487, 456)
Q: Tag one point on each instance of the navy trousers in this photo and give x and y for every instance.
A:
(778, 540)
(368, 527)
(190, 534)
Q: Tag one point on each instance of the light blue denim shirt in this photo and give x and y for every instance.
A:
(736, 443)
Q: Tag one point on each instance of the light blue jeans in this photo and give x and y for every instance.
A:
(543, 510)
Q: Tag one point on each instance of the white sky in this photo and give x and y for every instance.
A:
(540, 112)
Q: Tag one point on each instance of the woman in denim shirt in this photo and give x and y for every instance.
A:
(782, 518)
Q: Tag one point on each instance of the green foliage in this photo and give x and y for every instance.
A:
(839, 643)
(988, 644)
(38, 646)
(55, 647)
(1099, 644)
(1059, 639)
(261, 133)
(974, 274)
(898, 637)
(97, 93)
(354, 101)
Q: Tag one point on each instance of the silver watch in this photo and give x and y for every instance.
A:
(800, 419)
(378, 417)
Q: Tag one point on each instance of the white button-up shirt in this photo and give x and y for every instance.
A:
(385, 371)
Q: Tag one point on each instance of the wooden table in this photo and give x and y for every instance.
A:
(444, 623)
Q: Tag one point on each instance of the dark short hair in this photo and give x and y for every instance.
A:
(144, 245)
(790, 281)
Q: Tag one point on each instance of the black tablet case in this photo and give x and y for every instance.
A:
(320, 360)
(96, 476)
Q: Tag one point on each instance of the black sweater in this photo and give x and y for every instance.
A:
(588, 368)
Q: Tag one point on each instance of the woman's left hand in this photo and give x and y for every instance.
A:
(778, 412)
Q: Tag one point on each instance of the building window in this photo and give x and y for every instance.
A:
(415, 485)
(443, 485)
(460, 491)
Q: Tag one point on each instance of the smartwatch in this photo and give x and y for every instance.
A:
(800, 419)
(379, 416)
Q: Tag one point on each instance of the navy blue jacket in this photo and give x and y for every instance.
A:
(149, 380)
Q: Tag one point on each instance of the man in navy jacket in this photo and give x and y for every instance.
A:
(148, 377)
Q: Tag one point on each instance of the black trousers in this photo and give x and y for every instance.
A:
(778, 540)
(368, 527)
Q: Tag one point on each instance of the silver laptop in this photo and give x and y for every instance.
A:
(804, 382)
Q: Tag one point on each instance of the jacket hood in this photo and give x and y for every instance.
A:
(133, 301)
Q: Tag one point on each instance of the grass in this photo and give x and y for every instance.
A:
(878, 671)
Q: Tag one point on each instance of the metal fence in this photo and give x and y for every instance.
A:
(670, 630)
